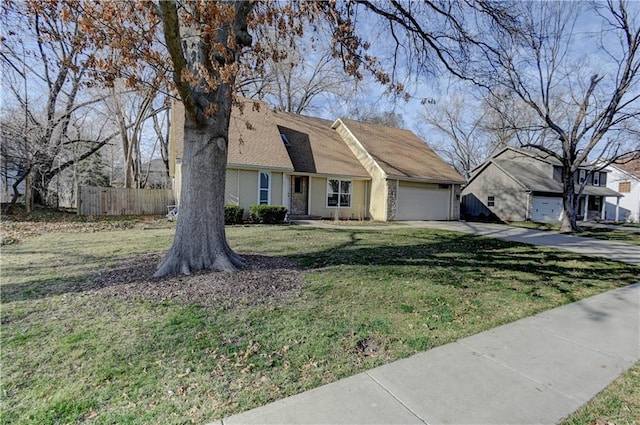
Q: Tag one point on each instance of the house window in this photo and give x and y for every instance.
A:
(624, 187)
(583, 176)
(264, 188)
(285, 140)
(297, 185)
(338, 193)
(596, 179)
(491, 201)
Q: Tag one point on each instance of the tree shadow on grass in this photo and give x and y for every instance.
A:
(530, 270)
(421, 254)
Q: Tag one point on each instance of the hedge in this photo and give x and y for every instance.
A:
(268, 214)
(233, 214)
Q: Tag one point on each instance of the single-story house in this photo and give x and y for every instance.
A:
(624, 177)
(520, 185)
(329, 169)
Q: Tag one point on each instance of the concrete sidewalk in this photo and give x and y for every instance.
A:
(536, 370)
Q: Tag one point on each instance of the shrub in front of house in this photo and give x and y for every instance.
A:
(268, 214)
(233, 214)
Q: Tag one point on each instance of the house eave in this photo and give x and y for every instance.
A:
(625, 172)
(253, 167)
(328, 175)
(613, 193)
(294, 172)
(424, 180)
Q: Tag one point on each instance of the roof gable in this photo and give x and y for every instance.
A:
(400, 153)
(525, 155)
(631, 167)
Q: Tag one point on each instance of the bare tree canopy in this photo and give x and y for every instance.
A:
(46, 77)
(305, 79)
(466, 143)
(54, 114)
(587, 101)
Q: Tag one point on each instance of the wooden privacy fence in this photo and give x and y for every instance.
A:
(119, 201)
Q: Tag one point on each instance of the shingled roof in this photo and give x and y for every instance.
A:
(536, 180)
(630, 166)
(400, 153)
(254, 139)
(317, 148)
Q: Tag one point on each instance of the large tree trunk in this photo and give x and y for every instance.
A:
(569, 202)
(40, 184)
(200, 242)
(207, 55)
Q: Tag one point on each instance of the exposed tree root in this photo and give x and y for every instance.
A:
(225, 261)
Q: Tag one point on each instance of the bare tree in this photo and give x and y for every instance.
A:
(472, 129)
(162, 129)
(508, 121)
(47, 54)
(583, 108)
(131, 110)
(465, 144)
(299, 77)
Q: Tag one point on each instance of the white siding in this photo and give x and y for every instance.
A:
(629, 208)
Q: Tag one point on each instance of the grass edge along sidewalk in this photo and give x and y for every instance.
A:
(537, 369)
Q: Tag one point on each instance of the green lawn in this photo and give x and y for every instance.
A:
(72, 355)
(625, 236)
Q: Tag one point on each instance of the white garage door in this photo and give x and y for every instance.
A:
(422, 202)
(546, 209)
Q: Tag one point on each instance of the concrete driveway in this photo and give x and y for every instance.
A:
(611, 250)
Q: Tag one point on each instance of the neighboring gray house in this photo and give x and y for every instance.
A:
(518, 185)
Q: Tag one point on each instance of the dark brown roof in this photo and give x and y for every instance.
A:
(400, 153)
(630, 166)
